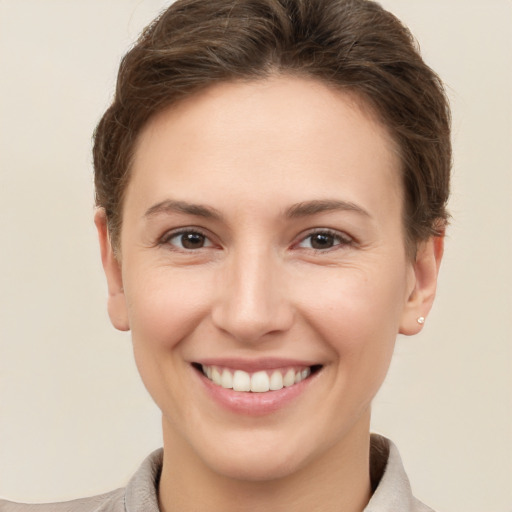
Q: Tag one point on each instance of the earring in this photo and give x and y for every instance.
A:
(421, 320)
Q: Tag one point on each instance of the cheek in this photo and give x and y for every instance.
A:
(366, 301)
(357, 313)
(164, 307)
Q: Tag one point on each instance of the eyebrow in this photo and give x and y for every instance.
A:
(304, 209)
(172, 206)
(314, 207)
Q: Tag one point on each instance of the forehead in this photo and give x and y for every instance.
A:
(279, 138)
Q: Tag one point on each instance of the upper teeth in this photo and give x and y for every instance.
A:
(258, 382)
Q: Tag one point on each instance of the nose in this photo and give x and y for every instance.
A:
(252, 300)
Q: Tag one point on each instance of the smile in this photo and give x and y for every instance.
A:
(256, 382)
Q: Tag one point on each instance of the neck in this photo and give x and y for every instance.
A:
(338, 480)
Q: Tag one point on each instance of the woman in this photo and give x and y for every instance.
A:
(271, 182)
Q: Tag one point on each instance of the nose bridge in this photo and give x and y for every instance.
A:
(251, 300)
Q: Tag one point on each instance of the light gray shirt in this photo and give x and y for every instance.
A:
(392, 491)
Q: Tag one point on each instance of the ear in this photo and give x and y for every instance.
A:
(117, 310)
(425, 270)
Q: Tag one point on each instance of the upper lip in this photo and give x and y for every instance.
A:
(254, 365)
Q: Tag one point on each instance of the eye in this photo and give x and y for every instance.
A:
(188, 240)
(324, 240)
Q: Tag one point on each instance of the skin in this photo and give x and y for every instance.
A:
(259, 288)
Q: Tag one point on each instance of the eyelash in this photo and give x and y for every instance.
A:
(340, 239)
(166, 239)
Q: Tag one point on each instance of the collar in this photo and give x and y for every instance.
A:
(392, 491)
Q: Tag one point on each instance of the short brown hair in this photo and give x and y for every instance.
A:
(354, 45)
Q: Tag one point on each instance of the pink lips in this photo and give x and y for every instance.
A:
(250, 403)
(257, 364)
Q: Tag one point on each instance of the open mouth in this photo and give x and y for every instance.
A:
(256, 382)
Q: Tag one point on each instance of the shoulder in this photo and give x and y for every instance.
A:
(141, 494)
(110, 502)
(418, 506)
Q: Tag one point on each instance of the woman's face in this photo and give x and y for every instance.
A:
(262, 243)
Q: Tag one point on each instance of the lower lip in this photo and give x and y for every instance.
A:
(254, 404)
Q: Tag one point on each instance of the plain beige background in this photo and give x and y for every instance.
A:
(75, 419)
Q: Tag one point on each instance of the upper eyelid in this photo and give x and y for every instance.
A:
(334, 232)
(188, 229)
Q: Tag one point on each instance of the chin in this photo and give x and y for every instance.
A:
(251, 455)
(255, 467)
